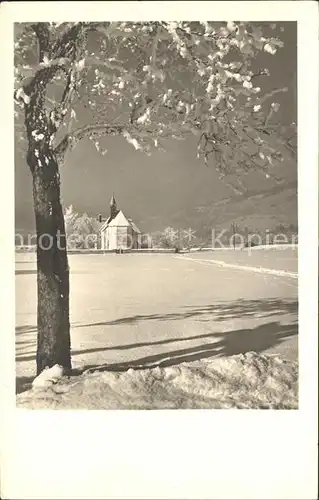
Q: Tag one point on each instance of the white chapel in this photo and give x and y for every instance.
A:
(119, 232)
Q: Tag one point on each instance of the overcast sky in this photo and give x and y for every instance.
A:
(150, 188)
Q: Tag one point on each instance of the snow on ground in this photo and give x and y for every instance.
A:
(248, 381)
(277, 258)
(140, 311)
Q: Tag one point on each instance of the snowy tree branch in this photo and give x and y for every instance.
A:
(150, 80)
(91, 131)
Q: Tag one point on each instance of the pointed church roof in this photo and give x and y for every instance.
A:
(117, 218)
(113, 214)
(120, 221)
(113, 200)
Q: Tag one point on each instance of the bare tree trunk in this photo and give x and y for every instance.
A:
(54, 346)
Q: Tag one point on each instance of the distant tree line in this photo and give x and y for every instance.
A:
(241, 234)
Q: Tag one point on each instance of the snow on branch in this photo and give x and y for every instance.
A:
(92, 132)
(152, 80)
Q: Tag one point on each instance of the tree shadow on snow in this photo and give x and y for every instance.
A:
(218, 312)
(25, 271)
(209, 313)
(25, 329)
(23, 384)
(230, 343)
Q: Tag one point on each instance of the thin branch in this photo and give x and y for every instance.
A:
(93, 131)
(290, 148)
(272, 93)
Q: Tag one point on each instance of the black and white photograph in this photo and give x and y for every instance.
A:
(156, 229)
(159, 249)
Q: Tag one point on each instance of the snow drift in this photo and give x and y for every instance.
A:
(243, 381)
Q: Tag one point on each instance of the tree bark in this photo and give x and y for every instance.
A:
(54, 346)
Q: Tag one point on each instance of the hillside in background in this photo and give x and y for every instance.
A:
(259, 211)
(275, 209)
(194, 199)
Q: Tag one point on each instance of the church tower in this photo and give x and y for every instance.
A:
(113, 208)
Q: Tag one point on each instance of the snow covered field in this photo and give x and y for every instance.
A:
(143, 311)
